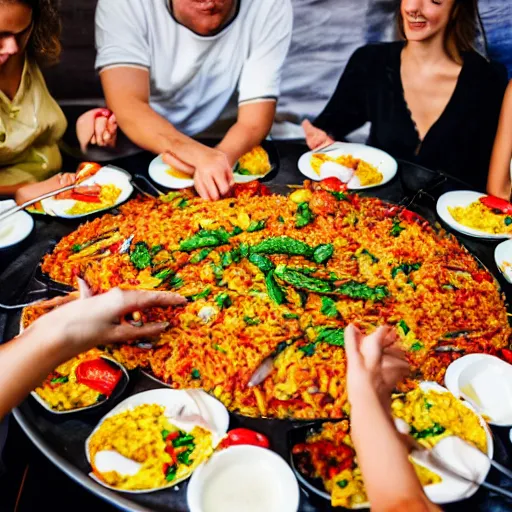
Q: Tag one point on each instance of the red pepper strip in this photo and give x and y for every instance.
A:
(496, 203)
(99, 375)
(239, 436)
(169, 449)
(333, 184)
(409, 216)
(85, 198)
(264, 190)
(172, 436)
(507, 355)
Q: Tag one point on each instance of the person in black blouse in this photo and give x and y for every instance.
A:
(431, 100)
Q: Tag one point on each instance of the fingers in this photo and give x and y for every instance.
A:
(174, 162)
(352, 342)
(120, 302)
(100, 130)
(315, 137)
(223, 183)
(127, 332)
(371, 346)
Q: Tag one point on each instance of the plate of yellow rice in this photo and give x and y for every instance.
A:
(357, 165)
(463, 211)
(253, 165)
(151, 440)
(116, 188)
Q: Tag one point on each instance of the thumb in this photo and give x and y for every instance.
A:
(307, 127)
(177, 164)
(352, 343)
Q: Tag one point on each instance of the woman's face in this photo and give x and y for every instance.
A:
(15, 29)
(425, 19)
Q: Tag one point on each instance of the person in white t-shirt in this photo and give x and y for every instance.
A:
(169, 67)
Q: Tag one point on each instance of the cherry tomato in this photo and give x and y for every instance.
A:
(99, 375)
(333, 184)
(507, 355)
(239, 436)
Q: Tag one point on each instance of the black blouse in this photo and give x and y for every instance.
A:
(458, 143)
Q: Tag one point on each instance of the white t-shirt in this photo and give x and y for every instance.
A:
(192, 77)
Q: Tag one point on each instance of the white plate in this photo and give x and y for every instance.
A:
(15, 228)
(121, 386)
(487, 385)
(385, 163)
(105, 176)
(462, 198)
(452, 489)
(502, 255)
(173, 400)
(158, 173)
(276, 489)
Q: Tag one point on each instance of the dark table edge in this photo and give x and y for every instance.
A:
(80, 478)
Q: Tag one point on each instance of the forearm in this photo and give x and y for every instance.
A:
(26, 361)
(10, 190)
(376, 454)
(152, 132)
(241, 138)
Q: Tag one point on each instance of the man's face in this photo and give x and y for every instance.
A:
(205, 17)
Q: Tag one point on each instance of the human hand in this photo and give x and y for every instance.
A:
(315, 137)
(97, 126)
(33, 190)
(373, 363)
(83, 324)
(213, 174)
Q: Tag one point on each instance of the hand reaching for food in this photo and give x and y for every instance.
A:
(315, 137)
(83, 324)
(373, 363)
(34, 190)
(97, 126)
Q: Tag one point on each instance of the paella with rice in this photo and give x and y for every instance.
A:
(281, 277)
(479, 216)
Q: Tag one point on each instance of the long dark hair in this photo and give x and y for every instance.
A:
(461, 30)
(44, 43)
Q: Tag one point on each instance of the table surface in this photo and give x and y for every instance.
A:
(62, 440)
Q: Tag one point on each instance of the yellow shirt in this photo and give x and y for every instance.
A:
(31, 125)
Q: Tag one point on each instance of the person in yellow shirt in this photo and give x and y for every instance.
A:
(31, 122)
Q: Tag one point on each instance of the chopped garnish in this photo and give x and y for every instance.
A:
(195, 374)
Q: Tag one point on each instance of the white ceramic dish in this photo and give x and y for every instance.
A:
(462, 198)
(487, 385)
(452, 489)
(503, 258)
(174, 401)
(385, 163)
(451, 377)
(15, 228)
(121, 386)
(105, 176)
(158, 173)
(269, 484)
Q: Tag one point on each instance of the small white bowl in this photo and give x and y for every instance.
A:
(243, 478)
(451, 377)
(15, 228)
(487, 385)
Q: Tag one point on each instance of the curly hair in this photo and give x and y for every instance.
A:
(44, 43)
(461, 30)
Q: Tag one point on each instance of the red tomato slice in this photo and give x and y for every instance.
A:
(240, 436)
(97, 374)
(507, 355)
(334, 184)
